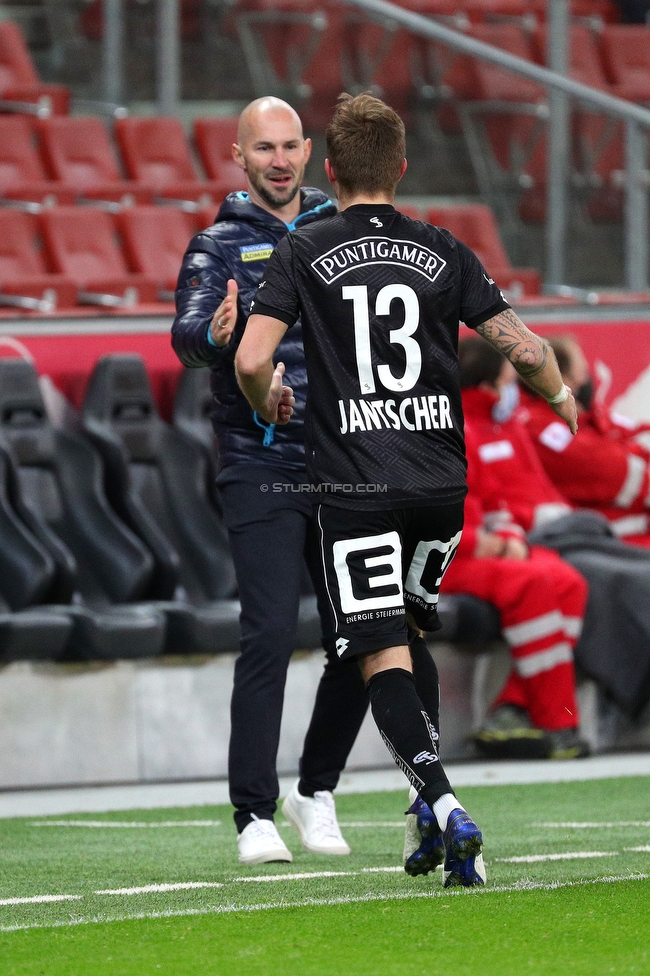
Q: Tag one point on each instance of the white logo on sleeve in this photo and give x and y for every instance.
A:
(557, 436)
(341, 645)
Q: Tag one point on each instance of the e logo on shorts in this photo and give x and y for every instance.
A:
(356, 576)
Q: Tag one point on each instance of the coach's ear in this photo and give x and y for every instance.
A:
(329, 172)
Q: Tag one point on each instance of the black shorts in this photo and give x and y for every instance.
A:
(379, 566)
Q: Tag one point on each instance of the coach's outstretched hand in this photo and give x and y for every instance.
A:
(280, 399)
(224, 319)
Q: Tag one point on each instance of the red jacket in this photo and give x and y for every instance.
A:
(602, 468)
(481, 501)
(516, 471)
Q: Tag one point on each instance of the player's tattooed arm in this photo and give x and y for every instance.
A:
(533, 359)
(527, 352)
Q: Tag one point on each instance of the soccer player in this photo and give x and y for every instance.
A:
(380, 297)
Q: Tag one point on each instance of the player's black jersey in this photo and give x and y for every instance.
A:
(380, 297)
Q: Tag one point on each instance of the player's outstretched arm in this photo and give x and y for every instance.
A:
(259, 380)
(533, 359)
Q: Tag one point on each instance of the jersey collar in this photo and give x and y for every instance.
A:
(370, 208)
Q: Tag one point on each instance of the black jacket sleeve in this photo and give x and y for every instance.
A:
(201, 287)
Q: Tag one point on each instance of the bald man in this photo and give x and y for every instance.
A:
(268, 514)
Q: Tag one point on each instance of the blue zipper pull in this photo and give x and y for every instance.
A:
(269, 430)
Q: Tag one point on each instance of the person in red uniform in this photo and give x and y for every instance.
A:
(604, 467)
(541, 599)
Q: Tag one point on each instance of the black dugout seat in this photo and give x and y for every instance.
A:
(27, 631)
(55, 487)
(156, 482)
(193, 404)
(192, 412)
(464, 618)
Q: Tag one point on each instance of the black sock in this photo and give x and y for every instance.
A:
(406, 729)
(427, 684)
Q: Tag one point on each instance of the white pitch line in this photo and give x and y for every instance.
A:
(318, 874)
(158, 888)
(643, 849)
(359, 823)
(38, 899)
(520, 887)
(124, 823)
(371, 823)
(154, 889)
(582, 825)
(569, 856)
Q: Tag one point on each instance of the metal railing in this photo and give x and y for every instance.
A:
(635, 117)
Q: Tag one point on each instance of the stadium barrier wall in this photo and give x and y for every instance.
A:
(169, 719)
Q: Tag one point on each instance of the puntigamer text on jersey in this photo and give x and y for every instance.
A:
(412, 413)
(378, 250)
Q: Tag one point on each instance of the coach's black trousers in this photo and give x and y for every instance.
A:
(270, 532)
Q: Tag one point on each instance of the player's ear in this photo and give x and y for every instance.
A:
(329, 172)
(307, 150)
(238, 155)
(404, 168)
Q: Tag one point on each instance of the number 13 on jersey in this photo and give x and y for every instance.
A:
(358, 295)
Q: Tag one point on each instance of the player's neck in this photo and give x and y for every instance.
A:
(357, 198)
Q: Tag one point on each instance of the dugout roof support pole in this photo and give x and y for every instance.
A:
(113, 51)
(168, 56)
(558, 146)
(636, 117)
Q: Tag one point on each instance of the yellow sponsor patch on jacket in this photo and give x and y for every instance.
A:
(256, 252)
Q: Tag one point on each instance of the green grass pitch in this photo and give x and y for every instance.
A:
(161, 892)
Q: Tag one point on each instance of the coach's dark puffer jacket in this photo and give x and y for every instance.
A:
(238, 246)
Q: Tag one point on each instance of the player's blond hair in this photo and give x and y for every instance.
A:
(366, 145)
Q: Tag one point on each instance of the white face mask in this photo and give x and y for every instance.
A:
(507, 403)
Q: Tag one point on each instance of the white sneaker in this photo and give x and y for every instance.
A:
(315, 820)
(260, 842)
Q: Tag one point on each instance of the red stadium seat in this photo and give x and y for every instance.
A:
(604, 10)
(591, 134)
(204, 217)
(82, 244)
(19, 81)
(155, 240)
(25, 280)
(481, 10)
(474, 224)
(301, 47)
(22, 176)
(391, 60)
(77, 151)
(91, 21)
(214, 139)
(584, 59)
(626, 53)
(156, 154)
(474, 80)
